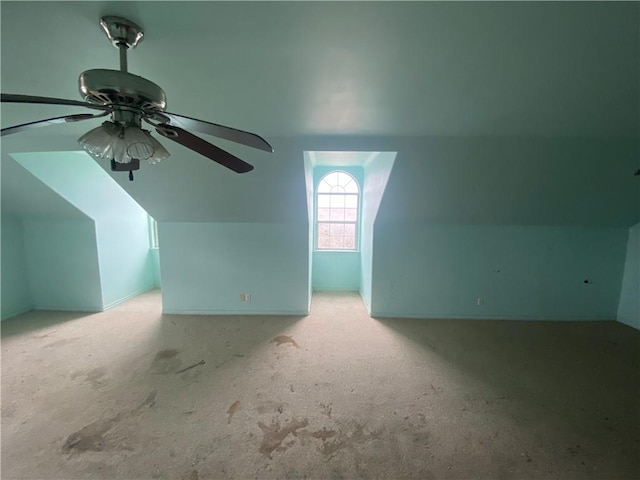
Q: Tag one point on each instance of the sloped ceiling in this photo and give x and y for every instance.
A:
(349, 76)
(25, 196)
(81, 182)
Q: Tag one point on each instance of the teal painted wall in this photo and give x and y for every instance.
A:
(62, 265)
(206, 266)
(444, 182)
(310, 190)
(629, 306)
(366, 260)
(376, 176)
(15, 297)
(338, 271)
(126, 268)
(520, 272)
(154, 258)
(121, 225)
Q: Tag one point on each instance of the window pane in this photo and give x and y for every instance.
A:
(351, 201)
(324, 187)
(332, 179)
(343, 180)
(323, 229)
(337, 229)
(351, 187)
(350, 242)
(351, 214)
(323, 214)
(324, 200)
(350, 229)
(337, 201)
(323, 242)
(347, 182)
(337, 214)
(336, 242)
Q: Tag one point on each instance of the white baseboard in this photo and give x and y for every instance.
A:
(366, 304)
(628, 322)
(58, 308)
(128, 297)
(172, 311)
(334, 289)
(436, 316)
(16, 313)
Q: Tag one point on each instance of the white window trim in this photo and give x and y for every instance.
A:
(153, 234)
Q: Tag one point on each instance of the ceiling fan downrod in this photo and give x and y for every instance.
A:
(123, 34)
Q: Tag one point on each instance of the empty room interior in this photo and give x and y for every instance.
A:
(321, 240)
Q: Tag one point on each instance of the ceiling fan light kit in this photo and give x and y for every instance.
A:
(130, 100)
(122, 143)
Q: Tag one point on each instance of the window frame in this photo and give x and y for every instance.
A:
(355, 223)
(153, 233)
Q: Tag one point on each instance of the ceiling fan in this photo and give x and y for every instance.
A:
(129, 100)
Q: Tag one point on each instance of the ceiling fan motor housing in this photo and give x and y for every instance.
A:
(114, 87)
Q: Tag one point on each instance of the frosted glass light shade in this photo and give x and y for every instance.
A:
(99, 141)
(159, 152)
(112, 141)
(138, 144)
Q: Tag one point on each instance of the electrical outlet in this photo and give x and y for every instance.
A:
(480, 301)
(245, 297)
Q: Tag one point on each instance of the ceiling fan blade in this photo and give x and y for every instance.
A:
(16, 98)
(228, 133)
(203, 147)
(49, 121)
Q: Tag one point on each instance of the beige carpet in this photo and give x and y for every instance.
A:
(133, 394)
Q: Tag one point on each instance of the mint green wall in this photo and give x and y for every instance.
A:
(121, 228)
(377, 171)
(15, 297)
(126, 269)
(338, 271)
(366, 259)
(547, 213)
(309, 187)
(629, 306)
(206, 266)
(154, 258)
(62, 265)
(492, 183)
(520, 272)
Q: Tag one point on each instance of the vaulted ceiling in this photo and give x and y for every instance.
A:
(347, 75)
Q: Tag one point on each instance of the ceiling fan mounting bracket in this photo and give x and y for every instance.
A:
(121, 32)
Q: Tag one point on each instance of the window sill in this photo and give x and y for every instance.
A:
(335, 251)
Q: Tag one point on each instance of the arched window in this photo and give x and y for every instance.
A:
(337, 212)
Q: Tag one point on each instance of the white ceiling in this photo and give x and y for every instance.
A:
(349, 68)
